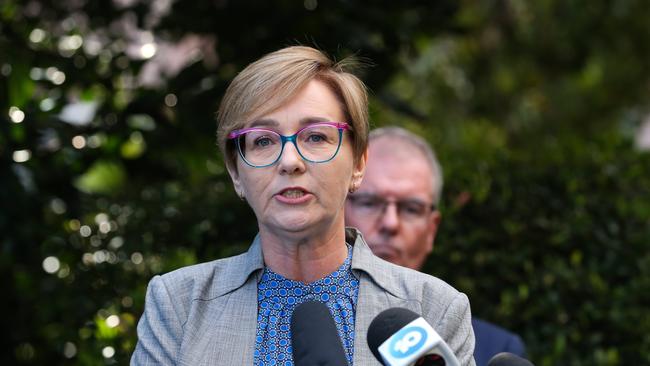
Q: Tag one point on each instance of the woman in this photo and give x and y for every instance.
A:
(293, 129)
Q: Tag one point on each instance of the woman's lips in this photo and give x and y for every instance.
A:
(293, 195)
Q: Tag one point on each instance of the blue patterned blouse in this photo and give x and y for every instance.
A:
(277, 297)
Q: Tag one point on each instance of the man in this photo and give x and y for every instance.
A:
(395, 209)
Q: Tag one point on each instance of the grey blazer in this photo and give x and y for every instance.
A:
(206, 314)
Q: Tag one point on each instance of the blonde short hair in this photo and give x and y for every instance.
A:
(276, 78)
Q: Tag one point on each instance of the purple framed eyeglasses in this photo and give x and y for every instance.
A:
(316, 143)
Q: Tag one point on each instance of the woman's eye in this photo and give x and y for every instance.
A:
(263, 141)
(315, 138)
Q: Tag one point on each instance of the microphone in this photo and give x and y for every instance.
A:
(508, 359)
(400, 337)
(314, 338)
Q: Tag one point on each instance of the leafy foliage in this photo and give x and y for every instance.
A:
(109, 173)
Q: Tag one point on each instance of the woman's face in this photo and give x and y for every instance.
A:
(294, 195)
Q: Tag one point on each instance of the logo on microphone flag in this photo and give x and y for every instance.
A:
(415, 340)
(407, 341)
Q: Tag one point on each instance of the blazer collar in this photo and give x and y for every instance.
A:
(242, 266)
(363, 260)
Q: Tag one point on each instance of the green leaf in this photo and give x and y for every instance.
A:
(102, 177)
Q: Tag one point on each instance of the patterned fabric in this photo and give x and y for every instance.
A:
(278, 297)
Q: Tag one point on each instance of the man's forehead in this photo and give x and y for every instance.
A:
(387, 149)
(397, 168)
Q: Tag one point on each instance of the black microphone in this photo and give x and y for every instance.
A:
(400, 337)
(508, 359)
(314, 338)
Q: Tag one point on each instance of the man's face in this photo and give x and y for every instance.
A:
(392, 207)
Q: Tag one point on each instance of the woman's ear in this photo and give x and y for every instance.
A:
(236, 179)
(359, 170)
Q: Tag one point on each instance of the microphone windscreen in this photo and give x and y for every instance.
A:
(384, 325)
(508, 359)
(314, 338)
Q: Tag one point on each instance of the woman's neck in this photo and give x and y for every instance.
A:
(304, 257)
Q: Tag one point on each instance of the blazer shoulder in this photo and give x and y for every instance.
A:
(408, 283)
(439, 296)
(205, 281)
(436, 297)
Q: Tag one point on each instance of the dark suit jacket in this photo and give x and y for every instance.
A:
(492, 339)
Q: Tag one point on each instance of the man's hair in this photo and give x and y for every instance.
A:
(270, 82)
(403, 135)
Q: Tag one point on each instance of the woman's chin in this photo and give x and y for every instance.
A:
(297, 222)
(293, 223)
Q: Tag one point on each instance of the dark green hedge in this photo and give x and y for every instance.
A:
(554, 244)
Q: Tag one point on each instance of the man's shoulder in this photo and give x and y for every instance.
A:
(492, 339)
(491, 329)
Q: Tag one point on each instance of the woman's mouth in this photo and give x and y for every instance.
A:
(293, 195)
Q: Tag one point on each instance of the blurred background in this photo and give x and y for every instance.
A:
(539, 112)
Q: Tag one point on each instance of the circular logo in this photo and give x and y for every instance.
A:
(407, 341)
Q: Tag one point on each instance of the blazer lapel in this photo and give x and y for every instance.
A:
(375, 296)
(222, 331)
(372, 300)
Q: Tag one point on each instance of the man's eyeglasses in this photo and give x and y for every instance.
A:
(316, 143)
(373, 206)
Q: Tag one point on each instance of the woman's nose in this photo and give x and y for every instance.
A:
(290, 161)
